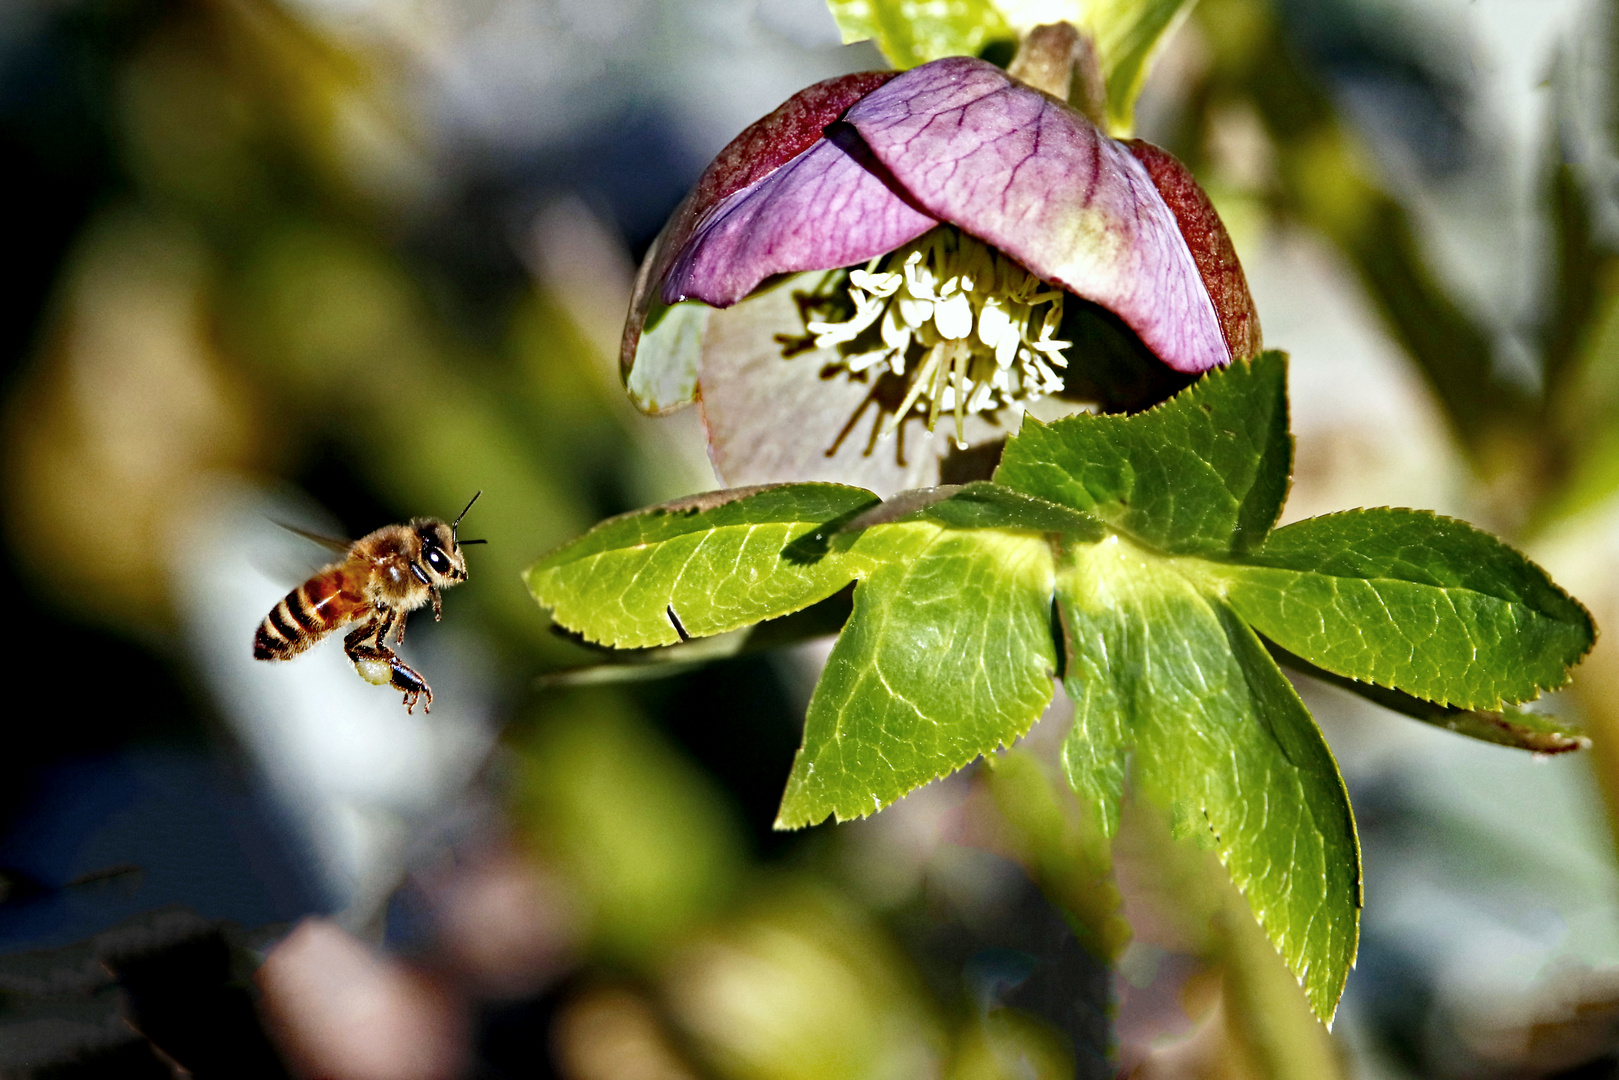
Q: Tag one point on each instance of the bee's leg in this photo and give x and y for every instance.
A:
(438, 605)
(377, 663)
(399, 631)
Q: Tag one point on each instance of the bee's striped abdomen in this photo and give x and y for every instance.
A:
(305, 615)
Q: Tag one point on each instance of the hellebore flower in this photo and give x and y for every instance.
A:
(969, 206)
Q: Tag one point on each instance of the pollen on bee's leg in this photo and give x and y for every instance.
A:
(969, 330)
(373, 670)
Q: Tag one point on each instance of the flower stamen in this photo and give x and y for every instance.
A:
(974, 330)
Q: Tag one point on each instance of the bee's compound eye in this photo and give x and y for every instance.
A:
(437, 560)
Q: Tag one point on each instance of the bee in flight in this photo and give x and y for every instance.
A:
(383, 577)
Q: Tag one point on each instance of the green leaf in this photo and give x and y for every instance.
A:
(948, 655)
(911, 33)
(700, 566)
(1206, 472)
(1540, 733)
(985, 505)
(1096, 633)
(1160, 666)
(1128, 35)
(1153, 533)
(821, 619)
(982, 505)
(1410, 600)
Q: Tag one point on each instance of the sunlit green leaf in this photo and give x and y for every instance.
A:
(1205, 472)
(821, 619)
(1129, 34)
(910, 32)
(1414, 601)
(984, 505)
(1537, 732)
(948, 655)
(1160, 666)
(1152, 533)
(697, 567)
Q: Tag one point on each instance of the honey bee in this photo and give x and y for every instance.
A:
(383, 577)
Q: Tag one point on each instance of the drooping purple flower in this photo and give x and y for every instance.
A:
(853, 169)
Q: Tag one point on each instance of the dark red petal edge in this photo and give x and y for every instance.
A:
(762, 148)
(1212, 251)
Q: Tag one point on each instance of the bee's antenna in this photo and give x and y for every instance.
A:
(464, 543)
(457, 522)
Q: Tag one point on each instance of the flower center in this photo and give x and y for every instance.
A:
(969, 329)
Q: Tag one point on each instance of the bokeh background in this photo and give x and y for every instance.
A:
(337, 263)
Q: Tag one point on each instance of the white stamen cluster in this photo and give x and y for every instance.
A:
(973, 328)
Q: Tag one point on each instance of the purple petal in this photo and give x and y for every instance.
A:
(766, 145)
(1030, 176)
(830, 206)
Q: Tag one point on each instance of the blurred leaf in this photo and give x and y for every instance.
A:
(1007, 1044)
(1582, 269)
(644, 837)
(1064, 850)
(1206, 471)
(1451, 350)
(343, 110)
(1160, 667)
(800, 985)
(948, 656)
(1408, 599)
(909, 33)
(1588, 408)
(1327, 180)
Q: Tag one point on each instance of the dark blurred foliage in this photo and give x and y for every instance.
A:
(57, 132)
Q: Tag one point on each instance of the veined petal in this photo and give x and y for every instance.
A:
(1020, 171)
(830, 206)
(765, 146)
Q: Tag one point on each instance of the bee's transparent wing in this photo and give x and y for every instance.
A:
(332, 542)
(290, 562)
